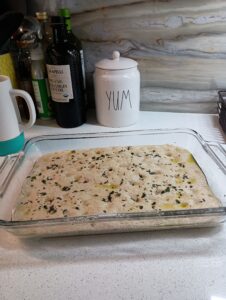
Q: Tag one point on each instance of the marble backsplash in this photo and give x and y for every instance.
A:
(180, 46)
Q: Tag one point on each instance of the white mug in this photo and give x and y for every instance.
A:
(11, 128)
(117, 91)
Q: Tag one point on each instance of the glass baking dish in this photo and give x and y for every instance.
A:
(211, 157)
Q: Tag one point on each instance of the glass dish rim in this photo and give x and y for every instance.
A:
(205, 212)
(205, 144)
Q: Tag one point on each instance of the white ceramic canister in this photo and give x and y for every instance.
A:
(117, 91)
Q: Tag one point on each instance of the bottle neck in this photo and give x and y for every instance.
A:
(68, 24)
(41, 21)
(60, 34)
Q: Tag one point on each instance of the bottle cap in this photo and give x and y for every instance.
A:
(41, 15)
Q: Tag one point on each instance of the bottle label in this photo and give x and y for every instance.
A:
(42, 98)
(60, 82)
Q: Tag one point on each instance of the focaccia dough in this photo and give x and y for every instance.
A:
(113, 180)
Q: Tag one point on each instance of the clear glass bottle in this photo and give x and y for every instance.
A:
(40, 83)
(46, 31)
(65, 77)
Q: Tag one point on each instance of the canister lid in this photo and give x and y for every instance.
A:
(116, 63)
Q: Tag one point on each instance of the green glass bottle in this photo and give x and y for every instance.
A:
(65, 77)
(40, 83)
(65, 12)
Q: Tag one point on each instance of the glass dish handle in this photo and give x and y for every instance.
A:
(219, 153)
(7, 168)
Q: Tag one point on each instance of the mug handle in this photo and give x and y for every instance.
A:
(30, 105)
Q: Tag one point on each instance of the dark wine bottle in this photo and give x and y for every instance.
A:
(65, 12)
(65, 77)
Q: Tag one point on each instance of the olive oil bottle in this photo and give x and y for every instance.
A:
(65, 77)
(65, 12)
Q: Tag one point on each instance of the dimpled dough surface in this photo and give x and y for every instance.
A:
(113, 180)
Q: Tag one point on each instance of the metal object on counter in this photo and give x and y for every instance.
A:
(222, 109)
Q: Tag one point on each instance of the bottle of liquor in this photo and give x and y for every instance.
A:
(65, 12)
(40, 83)
(65, 77)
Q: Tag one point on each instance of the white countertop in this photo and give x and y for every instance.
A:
(173, 264)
